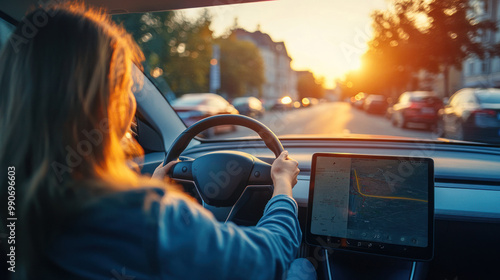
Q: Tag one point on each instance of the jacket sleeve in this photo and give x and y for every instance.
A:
(194, 245)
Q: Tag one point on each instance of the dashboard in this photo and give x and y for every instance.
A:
(466, 196)
(467, 178)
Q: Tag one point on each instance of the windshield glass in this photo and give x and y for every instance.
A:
(314, 64)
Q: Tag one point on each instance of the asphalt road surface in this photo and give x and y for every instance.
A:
(335, 119)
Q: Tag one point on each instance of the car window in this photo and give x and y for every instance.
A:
(255, 103)
(219, 102)
(240, 101)
(490, 96)
(317, 63)
(469, 98)
(189, 102)
(424, 96)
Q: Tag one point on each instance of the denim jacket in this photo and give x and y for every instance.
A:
(150, 234)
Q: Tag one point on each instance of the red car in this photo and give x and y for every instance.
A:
(416, 107)
(193, 107)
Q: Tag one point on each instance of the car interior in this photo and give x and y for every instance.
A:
(443, 220)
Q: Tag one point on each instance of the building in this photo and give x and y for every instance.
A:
(435, 81)
(280, 78)
(484, 72)
(475, 72)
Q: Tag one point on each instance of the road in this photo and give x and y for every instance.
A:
(335, 119)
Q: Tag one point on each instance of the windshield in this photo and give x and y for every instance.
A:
(314, 64)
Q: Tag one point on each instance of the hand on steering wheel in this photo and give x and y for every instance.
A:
(221, 177)
(284, 173)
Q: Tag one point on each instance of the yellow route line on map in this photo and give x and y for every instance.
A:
(384, 197)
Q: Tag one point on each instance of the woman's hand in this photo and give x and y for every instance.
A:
(161, 171)
(284, 173)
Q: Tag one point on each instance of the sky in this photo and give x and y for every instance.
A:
(326, 37)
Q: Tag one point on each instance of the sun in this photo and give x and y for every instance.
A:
(355, 64)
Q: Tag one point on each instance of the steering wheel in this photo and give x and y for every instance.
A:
(221, 177)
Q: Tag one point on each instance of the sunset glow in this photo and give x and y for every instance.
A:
(329, 45)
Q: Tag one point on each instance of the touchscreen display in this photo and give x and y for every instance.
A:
(373, 199)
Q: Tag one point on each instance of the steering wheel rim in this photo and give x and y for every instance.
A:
(182, 141)
(221, 177)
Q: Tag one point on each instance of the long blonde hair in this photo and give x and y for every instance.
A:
(65, 106)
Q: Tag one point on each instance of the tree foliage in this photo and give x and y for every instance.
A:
(433, 35)
(176, 49)
(242, 67)
(179, 51)
(309, 86)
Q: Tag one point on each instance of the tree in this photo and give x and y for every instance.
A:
(189, 67)
(242, 67)
(433, 35)
(453, 35)
(152, 32)
(176, 49)
(308, 86)
(390, 61)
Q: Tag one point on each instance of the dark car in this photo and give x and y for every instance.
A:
(472, 115)
(193, 107)
(375, 104)
(249, 106)
(416, 107)
(309, 101)
(281, 104)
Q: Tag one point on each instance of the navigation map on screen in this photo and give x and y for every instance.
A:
(378, 200)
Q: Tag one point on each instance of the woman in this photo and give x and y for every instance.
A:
(83, 213)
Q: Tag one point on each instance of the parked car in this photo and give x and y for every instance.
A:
(281, 104)
(472, 114)
(309, 101)
(416, 107)
(249, 106)
(375, 104)
(193, 107)
(358, 100)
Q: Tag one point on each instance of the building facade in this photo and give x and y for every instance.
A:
(484, 72)
(280, 79)
(475, 72)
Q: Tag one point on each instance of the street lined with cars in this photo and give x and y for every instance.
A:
(335, 119)
(469, 115)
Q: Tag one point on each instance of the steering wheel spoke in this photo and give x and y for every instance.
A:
(183, 170)
(260, 174)
(222, 177)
